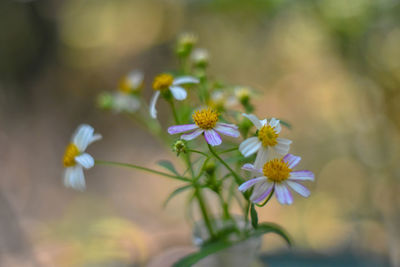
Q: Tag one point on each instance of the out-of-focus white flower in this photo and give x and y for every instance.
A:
(267, 139)
(277, 174)
(220, 100)
(242, 94)
(131, 82)
(200, 57)
(205, 121)
(75, 158)
(164, 83)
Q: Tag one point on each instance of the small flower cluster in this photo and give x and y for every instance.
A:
(202, 107)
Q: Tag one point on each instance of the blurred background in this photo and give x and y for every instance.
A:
(330, 67)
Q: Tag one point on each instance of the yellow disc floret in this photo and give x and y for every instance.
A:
(69, 156)
(162, 81)
(125, 85)
(276, 170)
(268, 136)
(205, 118)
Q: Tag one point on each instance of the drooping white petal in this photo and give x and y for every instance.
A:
(185, 79)
(212, 137)
(229, 131)
(283, 194)
(178, 92)
(291, 160)
(246, 185)
(262, 157)
(85, 160)
(192, 135)
(299, 188)
(82, 136)
(250, 146)
(153, 101)
(74, 178)
(302, 175)
(253, 118)
(281, 148)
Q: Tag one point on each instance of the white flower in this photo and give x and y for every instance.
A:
(132, 82)
(200, 56)
(277, 175)
(75, 158)
(267, 139)
(164, 83)
(125, 102)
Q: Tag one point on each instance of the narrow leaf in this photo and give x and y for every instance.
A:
(254, 216)
(168, 165)
(206, 250)
(264, 228)
(176, 192)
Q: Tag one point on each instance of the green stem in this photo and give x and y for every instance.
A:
(228, 150)
(198, 152)
(238, 179)
(175, 114)
(204, 212)
(142, 169)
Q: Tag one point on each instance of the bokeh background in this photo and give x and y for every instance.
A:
(330, 67)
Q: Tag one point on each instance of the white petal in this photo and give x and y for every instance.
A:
(299, 188)
(135, 78)
(83, 136)
(260, 190)
(246, 185)
(281, 149)
(85, 160)
(283, 194)
(229, 131)
(185, 79)
(302, 175)
(291, 160)
(178, 92)
(262, 157)
(153, 101)
(250, 146)
(283, 141)
(192, 135)
(74, 178)
(250, 167)
(212, 137)
(253, 119)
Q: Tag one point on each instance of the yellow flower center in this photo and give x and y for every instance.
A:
(69, 156)
(276, 170)
(162, 81)
(205, 118)
(268, 136)
(125, 86)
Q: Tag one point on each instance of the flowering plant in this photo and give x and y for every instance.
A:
(223, 152)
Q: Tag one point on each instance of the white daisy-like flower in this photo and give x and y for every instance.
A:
(267, 139)
(126, 99)
(75, 158)
(206, 123)
(277, 175)
(200, 56)
(164, 83)
(131, 82)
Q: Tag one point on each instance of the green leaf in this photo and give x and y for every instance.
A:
(176, 192)
(210, 248)
(266, 227)
(206, 250)
(254, 216)
(169, 166)
(286, 124)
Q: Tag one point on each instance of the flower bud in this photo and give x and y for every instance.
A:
(105, 101)
(185, 44)
(200, 57)
(179, 146)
